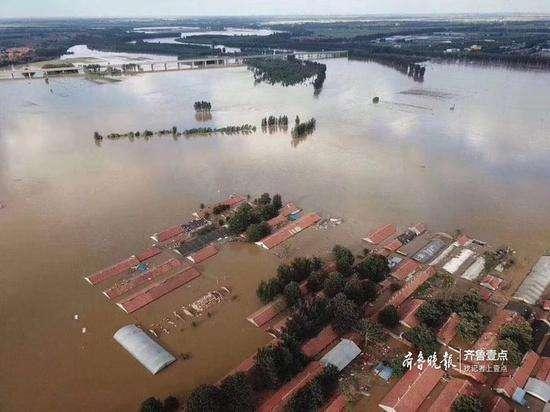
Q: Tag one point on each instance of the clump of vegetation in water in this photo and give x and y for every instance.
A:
(242, 129)
(303, 129)
(203, 106)
(288, 72)
(273, 123)
(408, 65)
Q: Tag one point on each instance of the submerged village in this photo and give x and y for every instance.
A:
(408, 318)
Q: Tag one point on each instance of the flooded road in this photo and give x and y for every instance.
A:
(73, 207)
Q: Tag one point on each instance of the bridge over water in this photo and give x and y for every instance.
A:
(147, 66)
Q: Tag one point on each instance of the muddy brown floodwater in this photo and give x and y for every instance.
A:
(73, 207)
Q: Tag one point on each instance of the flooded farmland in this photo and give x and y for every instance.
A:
(73, 207)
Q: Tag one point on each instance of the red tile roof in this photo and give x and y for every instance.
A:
(288, 231)
(159, 290)
(452, 391)
(393, 245)
(112, 271)
(405, 269)
(267, 312)
(337, 404)
(449, 329)
(233, 201)
(407, 312)
(168, 233)
(203, 254)
(543, 372)
(411, 390)
(282, 218)
(491, 282)
(381, 234)
(277, 222)
(279, 399)
(410, 287)
(508, 384)
(143, 278)
(316, 344)
(485, 294)
(497, 404)
(148, 253)
(464, 240)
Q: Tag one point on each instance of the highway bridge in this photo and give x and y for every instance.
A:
(147, 66)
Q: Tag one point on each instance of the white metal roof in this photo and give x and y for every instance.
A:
(535, 283)
(342, 354)
(143, 348)
(475, 269)
(538, 389)
(455, 263)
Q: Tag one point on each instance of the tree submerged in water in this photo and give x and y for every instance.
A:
(274, 123)
(203, 106)
(288, 72)
(304, 129)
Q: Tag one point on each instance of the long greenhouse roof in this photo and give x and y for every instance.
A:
(143, 348)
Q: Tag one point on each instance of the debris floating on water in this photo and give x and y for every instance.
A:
(75, 317)
(330, 222)
(84, 330)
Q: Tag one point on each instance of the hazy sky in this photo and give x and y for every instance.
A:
(80, 8)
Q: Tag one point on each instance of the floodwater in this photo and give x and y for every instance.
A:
(73, 207)
(171, 40)
(81, 53)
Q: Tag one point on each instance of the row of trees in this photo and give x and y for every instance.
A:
(406, 64)
(234, 394)
(275, 121)
(240, 129)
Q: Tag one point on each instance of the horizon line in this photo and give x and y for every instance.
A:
(184, 16)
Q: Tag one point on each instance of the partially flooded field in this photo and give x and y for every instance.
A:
(73, 207)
